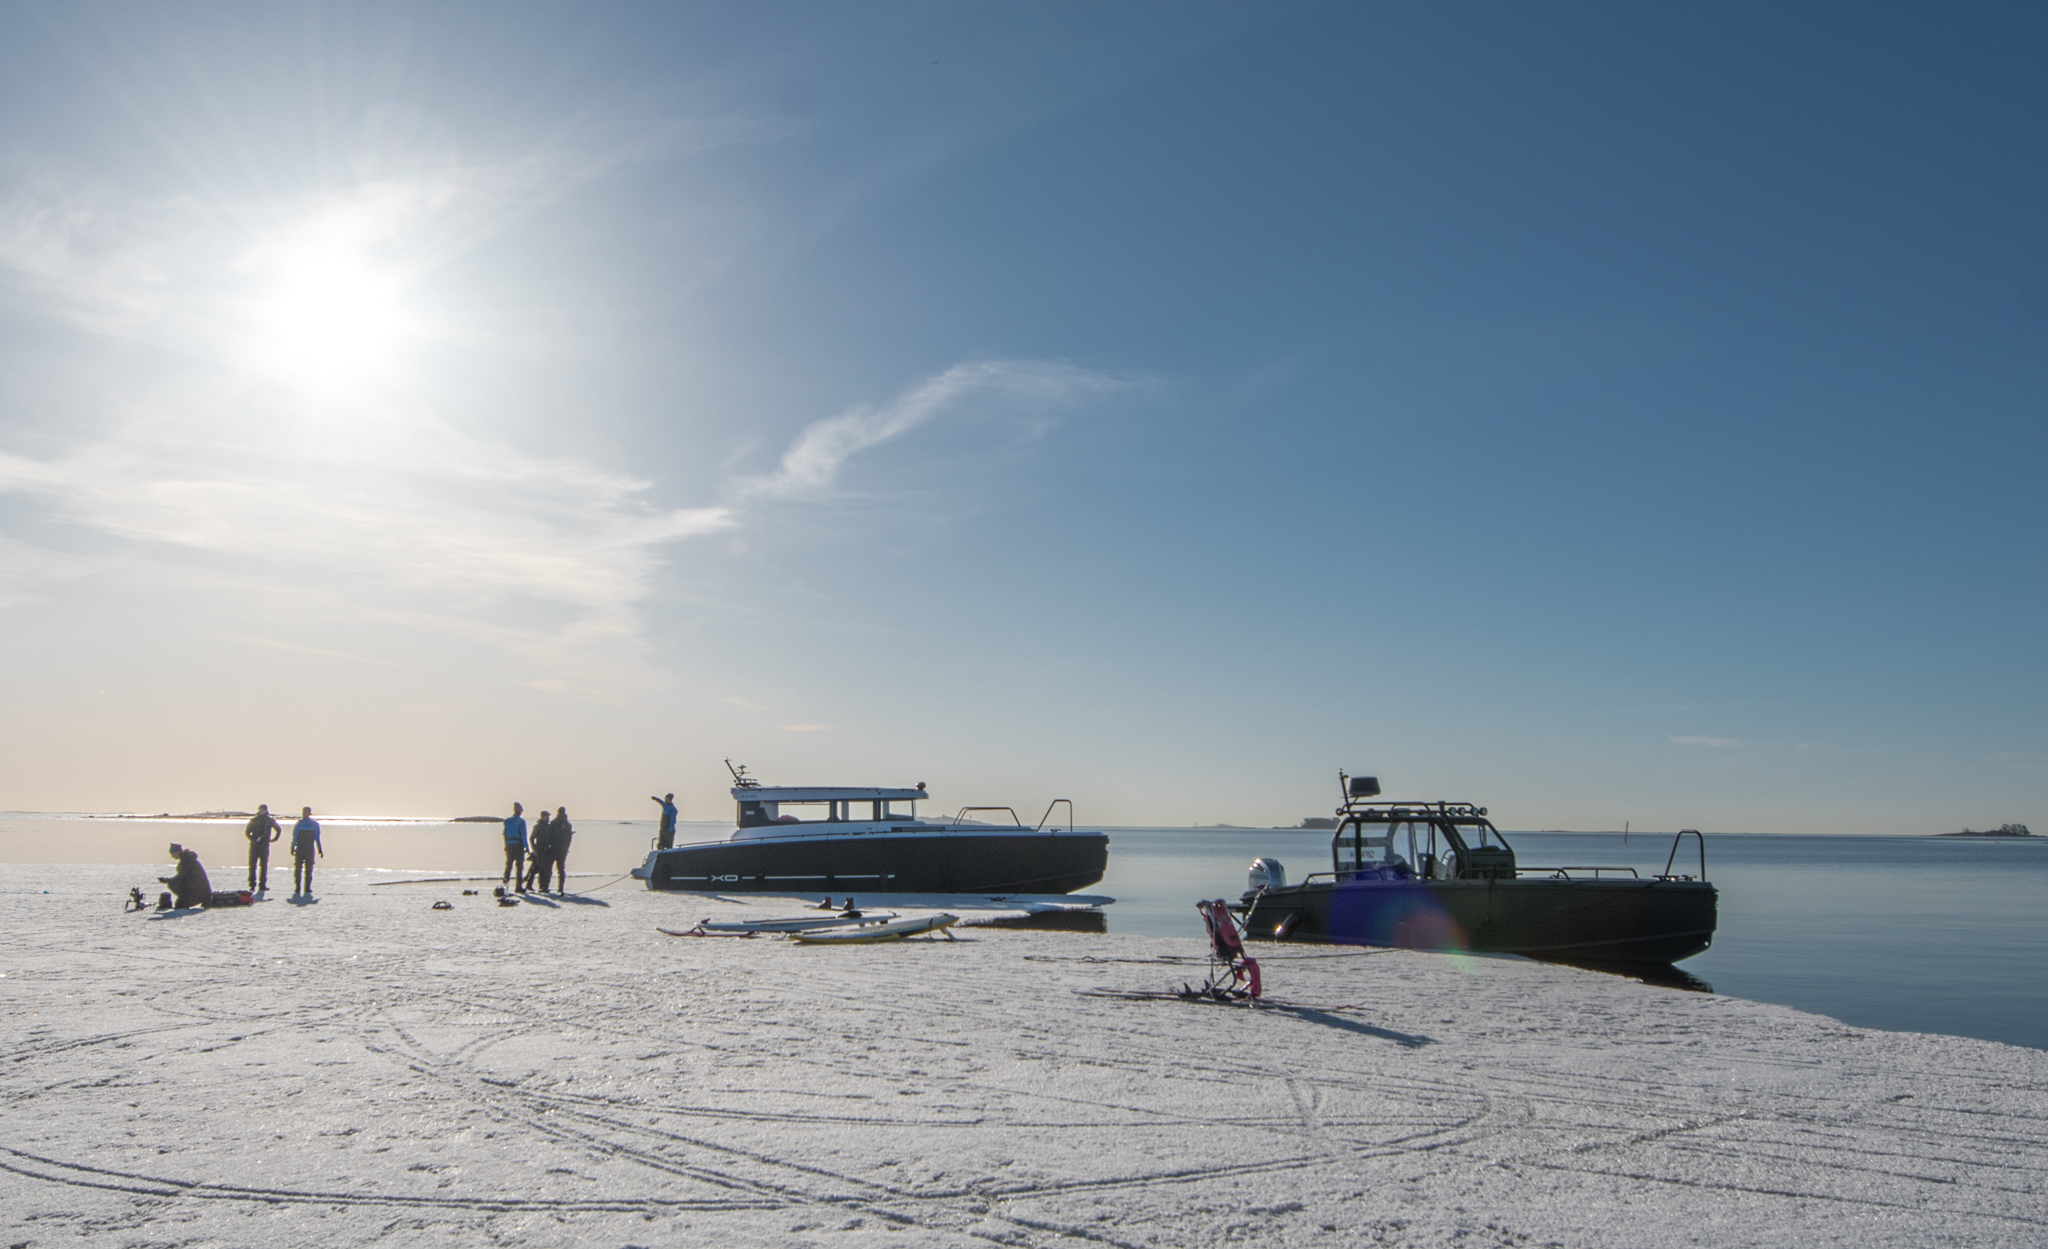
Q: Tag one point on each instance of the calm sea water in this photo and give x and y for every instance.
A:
(1921, 934)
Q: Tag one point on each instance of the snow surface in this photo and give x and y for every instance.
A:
(366, 1070)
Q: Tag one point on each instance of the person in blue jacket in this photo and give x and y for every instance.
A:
(668, 820)
(305, 848)
(515, 848)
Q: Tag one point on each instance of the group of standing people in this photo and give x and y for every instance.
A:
(263, 830)
(540, 855)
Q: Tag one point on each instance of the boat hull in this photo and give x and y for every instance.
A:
(1646, 921)
(894, 863)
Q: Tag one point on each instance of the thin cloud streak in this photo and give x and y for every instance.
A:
(318, 652)
(812, 464)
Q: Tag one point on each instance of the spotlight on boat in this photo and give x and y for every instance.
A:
(1365, 787)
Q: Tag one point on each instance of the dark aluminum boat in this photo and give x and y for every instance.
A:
(805, 840)
(1439, 876)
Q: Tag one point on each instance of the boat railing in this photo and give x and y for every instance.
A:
(961, 818)
(1048, 815)
(1683, 833)
(1565, 873)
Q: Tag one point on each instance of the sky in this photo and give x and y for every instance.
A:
(1605, 413)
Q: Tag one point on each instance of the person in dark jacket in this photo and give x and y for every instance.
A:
(189, 886)
(261, 832)
(537, 853)
(558, 852)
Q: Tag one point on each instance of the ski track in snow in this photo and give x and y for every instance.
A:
(368, 1071)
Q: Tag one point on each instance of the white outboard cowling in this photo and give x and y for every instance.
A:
(1265, 874)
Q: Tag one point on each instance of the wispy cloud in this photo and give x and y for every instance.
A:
(1714, 743)
(295, 648)
(26, 569)
(811, 465)
(468, 532)
(73, 256)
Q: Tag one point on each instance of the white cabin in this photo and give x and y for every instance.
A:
(780, 811)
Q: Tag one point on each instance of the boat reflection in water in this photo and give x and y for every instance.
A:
(1439, 876)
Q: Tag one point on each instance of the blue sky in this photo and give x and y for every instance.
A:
(1601, 412)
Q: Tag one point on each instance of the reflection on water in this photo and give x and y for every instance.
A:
(1663, 975)
(1050, 921)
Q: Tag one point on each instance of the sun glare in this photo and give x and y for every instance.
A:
(331, 315)
(325, 312)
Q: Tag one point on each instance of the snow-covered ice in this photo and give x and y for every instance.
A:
(366, 1070)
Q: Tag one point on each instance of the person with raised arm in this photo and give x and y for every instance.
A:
(668, 820)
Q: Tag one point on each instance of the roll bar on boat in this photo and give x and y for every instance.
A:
(1363, 804)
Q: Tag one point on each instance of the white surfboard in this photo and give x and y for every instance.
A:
(750, 927)
(877, 932)
(800, 924)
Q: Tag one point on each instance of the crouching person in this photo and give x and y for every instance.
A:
(189, 886)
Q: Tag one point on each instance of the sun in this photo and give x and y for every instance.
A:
(332, 314)
(323, 310)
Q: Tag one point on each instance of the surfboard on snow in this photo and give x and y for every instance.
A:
(877, 932)
(805, 923)
(801, 924)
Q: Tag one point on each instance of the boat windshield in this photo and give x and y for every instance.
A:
(1359, 846)
(761, 814)
(1424, 845)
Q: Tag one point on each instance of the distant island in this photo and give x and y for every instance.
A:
(2003, 830)
(190, 815)
(1317, 821)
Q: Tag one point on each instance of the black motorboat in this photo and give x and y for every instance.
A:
(804, 840)
(1439, 876)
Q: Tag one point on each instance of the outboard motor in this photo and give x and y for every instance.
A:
(1265, 874)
